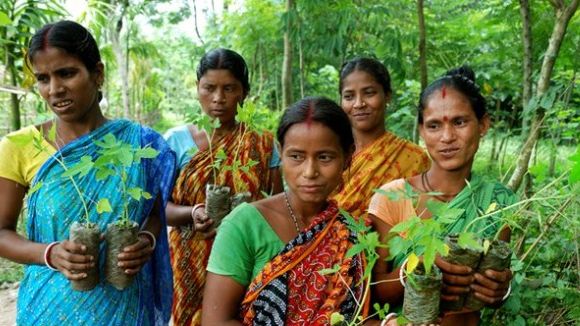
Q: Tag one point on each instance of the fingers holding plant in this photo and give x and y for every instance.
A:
(134, 256)
(201, 222)
(457, 279)
(491, 286)
(71, 259)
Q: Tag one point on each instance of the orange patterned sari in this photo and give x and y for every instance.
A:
(189, 253)
(386, 159)
(290, 291)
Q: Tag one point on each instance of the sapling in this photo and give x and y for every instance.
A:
(84, 232)
(217, 196)
(114, 161)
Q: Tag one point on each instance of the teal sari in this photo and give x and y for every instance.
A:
(46, 297)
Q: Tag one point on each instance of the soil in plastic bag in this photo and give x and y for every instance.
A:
(421, 301)
(89, 236)
(118, 237)
(498, 258)
(217, 202)
(240, 197)
(459, 256)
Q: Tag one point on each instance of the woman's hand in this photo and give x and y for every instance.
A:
(491, 286)
(457, 279)
(136, 255)
(71, 259)
(202, 223)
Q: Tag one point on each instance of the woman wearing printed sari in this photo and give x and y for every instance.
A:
(266, 257)
(222, 85)
(452, 120)
(380, 156)
(66, 62)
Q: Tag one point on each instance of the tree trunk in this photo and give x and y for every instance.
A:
(14, 100)
(527, 59)
(563, 16)
(287, 61)
(193, 11)
(422, 57)
(122, 59)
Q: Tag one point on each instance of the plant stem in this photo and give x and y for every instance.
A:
(77, 189)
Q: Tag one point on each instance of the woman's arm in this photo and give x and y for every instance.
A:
(65, 256)
(222, 297)
(388, 289)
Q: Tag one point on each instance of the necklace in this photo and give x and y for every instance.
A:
(294, 219)
(427, 186)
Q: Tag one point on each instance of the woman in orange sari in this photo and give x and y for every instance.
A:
(380, 156)
(267, 257)
(222, 85)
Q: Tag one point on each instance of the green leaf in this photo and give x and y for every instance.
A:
(146, 152)
(103, 206)
(103, 173)
(327, 271)
(469, 240)
(35, 188)
(21, 139)
(52, 133)
(405, 225)
(336, 318)
(135, 193)
(81, 168)
(4, 19)
(355, 249)
(443, 212)
(146, 195)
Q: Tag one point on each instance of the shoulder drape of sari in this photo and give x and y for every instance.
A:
(46, 297)
(189, 254)
(386, 159)
(290, 291)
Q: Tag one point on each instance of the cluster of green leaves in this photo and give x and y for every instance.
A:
(113, 160)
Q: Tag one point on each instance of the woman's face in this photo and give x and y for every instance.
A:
(364, 101)
(219, 94)
(451, 130)
(312, 161)
(66, 85)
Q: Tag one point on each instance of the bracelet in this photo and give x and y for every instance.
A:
(507, 293)
(47, 254)
(196, 206)
(388, 317)
(149, 235)
(401, 271)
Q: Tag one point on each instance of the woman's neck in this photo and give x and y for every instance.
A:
(224, 129)
(450, 183)
(304, 212)
(363, 138)
(69, 131)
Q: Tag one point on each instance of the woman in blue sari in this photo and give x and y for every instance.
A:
(66, 63)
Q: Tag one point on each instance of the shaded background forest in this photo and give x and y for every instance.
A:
(525, 54)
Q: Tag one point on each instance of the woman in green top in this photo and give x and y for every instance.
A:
(452, 120)
(266, 257)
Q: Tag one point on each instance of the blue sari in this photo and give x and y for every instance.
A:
(46, 297)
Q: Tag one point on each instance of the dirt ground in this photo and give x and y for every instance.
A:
(8, 295)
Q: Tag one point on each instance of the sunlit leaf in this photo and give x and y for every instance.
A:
(327, 271)
(336, 318)
(146, 152)
(412, 263)
(35, 188)
(103, 206)
(135, 193)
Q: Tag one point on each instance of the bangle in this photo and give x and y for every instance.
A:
(47, 255)
(196, 206)
(401, 272)
(507, 293)
(388, 317)
(149, 235)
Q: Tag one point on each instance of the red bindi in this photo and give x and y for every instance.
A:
(445, 119)
(443, 92)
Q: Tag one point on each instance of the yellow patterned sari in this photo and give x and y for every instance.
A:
(189, 253)
(385, 159)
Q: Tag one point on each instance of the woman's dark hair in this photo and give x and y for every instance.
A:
(225, 59)
(461, 79)
(70, 37)
(372, 67)
(321, 110)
